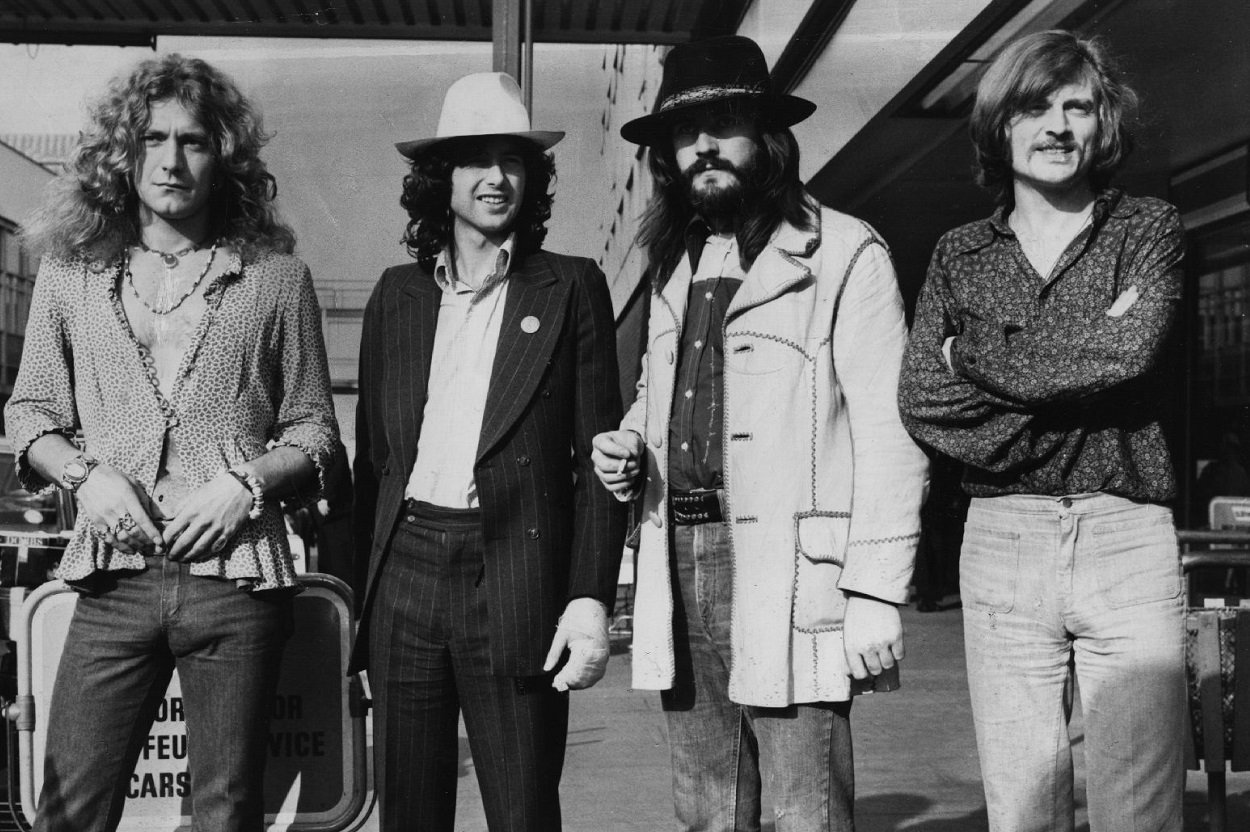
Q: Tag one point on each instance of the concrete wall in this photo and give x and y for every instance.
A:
(22, 181)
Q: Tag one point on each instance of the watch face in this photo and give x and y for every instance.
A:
(75, 469)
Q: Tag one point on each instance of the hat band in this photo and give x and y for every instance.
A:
(699, 95)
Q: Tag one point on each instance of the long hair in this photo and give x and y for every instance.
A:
(427, 199)
(1027, 73)
(777, 196)
(92, 207)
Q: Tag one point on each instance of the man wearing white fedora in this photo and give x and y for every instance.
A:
(486, 368)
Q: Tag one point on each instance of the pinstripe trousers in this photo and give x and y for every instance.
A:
(429, 642)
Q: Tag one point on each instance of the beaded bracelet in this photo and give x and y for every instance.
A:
(252, 484)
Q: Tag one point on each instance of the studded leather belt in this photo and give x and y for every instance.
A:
(690, 508)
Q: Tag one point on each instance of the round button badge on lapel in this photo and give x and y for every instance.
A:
(529, 324)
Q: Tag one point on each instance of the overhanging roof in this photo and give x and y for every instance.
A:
(139, 22)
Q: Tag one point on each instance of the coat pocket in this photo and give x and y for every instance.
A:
(821, 535)
(820, 549)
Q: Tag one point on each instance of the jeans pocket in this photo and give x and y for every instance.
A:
(1137, 561)
(988, 566)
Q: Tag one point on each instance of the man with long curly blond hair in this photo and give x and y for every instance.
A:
(173, 328)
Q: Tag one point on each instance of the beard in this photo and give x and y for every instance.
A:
(721, 205)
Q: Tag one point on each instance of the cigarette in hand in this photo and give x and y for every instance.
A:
(620, 469)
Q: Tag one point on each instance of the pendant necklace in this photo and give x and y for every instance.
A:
(170, 258)
(164, 304)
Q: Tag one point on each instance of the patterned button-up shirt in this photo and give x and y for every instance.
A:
(1060, 383)
(253, 376)
(696, 441)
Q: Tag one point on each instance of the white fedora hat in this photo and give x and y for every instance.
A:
(482, 104)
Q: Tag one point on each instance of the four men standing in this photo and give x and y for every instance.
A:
(778, 491)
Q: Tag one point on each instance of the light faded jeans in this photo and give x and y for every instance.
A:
(1092, 583)
(724, 752)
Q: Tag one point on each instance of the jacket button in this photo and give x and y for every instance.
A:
(386, 470)
(533, 533)
(523, 460)
(546, 393)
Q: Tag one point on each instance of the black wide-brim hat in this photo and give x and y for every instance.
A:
(709, 71)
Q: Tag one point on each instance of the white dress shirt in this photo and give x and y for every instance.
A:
(465, 341)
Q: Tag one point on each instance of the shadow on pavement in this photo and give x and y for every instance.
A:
(902, 812)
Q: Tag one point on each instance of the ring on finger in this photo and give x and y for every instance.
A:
(123, 525)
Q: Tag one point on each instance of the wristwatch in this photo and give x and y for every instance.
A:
(76, 471)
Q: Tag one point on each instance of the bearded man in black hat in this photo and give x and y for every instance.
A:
(779, 493)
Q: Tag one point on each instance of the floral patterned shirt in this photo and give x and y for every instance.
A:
(1060, 384)
(253, 376)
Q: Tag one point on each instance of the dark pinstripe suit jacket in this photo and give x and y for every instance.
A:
(551, 532)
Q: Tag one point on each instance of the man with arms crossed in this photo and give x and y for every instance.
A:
(171, 324)
(780, 494)
(486, 368)
(1037, 359)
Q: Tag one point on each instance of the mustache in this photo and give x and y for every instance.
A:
(713, 163)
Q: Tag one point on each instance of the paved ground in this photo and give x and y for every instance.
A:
(916, 764)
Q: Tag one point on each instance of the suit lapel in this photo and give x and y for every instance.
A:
(416, 318)
(532, 321)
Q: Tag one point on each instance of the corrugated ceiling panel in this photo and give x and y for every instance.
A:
(118, 21)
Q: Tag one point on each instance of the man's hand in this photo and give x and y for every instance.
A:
(584, 631)
(109, 495)
(617, 457)
(208, 519)
(872, 635)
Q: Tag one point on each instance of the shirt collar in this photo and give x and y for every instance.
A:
(697, 232)
(1109, 202)
(445, 276)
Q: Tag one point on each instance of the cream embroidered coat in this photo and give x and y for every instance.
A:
(824, 485)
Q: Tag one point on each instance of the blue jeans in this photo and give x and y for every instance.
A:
(1087, 584)
(124, 642)
(723, 751)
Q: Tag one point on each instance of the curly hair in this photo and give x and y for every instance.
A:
(1028, 72)
(427, 198)
(776, 193)
(92, 207)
